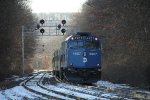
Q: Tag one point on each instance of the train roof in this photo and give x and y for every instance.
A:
(83, 33)
(80, 34)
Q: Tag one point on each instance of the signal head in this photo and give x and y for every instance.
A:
(63, 31)
(42, 30)
(42, 21)
(63, 22)
(59, 26)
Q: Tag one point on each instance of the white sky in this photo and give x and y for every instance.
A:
(47, 6)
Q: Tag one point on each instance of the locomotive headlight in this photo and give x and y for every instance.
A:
(97, 64)
(72, 38)
(96, 39)
(99, 70)
(71, 64)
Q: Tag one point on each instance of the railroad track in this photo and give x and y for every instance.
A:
(65, 92)
(79, 90)
(100, 91)
(47, 86)
(56, 92)
(32, 85)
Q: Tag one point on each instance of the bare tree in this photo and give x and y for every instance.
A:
(14, 14)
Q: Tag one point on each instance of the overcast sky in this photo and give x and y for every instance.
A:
(47, 6)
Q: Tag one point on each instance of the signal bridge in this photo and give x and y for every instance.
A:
(44, 28)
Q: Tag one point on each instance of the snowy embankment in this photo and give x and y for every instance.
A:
(111, 85)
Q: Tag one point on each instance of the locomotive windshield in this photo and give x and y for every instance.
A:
(92, 44)
(76, 44)
(83, 44)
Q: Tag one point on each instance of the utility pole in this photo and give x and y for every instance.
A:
(22, 49)
(56, 28)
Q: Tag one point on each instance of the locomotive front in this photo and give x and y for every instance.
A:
(83, 58)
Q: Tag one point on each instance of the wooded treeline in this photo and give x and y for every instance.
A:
(125, 25)
(13, 14)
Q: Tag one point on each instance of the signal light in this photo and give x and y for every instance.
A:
(63, 31)
(42, 21)
(63, 22)
(42, 31)
(59, 26)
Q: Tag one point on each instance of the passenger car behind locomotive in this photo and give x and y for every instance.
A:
(78, 59)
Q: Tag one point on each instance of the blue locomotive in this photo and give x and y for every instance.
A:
(78, 59)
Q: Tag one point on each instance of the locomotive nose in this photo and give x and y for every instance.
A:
(84, 54)
(84, 58)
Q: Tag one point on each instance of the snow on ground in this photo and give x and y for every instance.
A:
(18, 93)
(89, 92)
(20, 79)
(69, 92)
(14, 78)
(83, 91)
(37, 88)
(112, 85)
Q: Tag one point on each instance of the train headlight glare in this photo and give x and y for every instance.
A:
(96, 39)
(97, 64)
(99, 69)
(69, 69)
